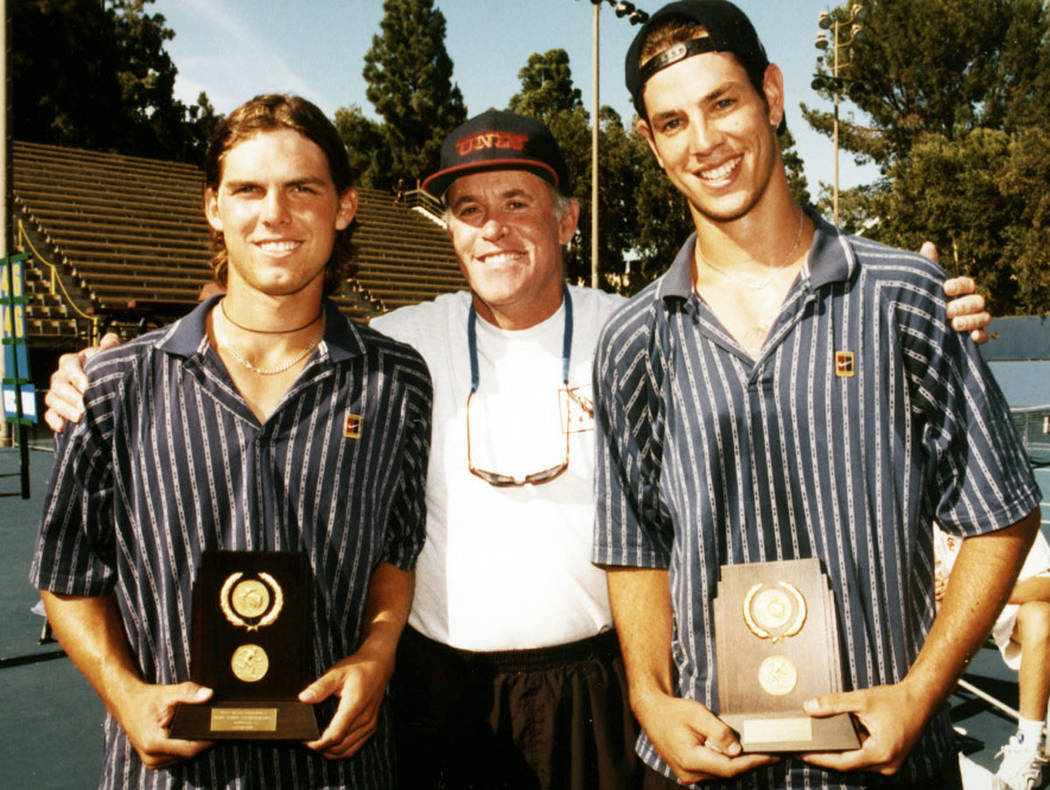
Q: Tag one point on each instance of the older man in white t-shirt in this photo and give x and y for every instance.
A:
(510, 674)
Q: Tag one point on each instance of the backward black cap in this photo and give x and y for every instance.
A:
(727, 26)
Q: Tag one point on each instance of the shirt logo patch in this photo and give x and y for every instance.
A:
(352, 427)
(844, 367)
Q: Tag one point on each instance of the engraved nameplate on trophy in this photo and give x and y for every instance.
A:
(777, 645)
(250, 643)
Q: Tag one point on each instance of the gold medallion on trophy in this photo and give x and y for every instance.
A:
(251, 603)
(777, 675)
(250, 598)
(250, 663)
(774, 613)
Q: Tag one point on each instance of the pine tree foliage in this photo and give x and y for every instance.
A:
(365, 145)
(944, 67)
(663, 221)
(546, 86)
(957, 96)
(983, 200)
(409, 76)
(96, 75)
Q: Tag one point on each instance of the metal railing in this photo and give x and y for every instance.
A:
(432, 208)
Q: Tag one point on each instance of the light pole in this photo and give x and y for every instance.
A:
(597, 4)
(636, 17)
(835, 83)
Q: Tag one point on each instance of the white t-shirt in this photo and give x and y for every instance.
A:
(1037, 563)
(507, 568)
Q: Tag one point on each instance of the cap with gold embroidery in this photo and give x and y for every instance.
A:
(499, 140)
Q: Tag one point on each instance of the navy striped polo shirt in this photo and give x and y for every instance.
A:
(169, 460)
(864, 418)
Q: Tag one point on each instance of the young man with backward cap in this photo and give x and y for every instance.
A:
(786, 391)
(509, 674)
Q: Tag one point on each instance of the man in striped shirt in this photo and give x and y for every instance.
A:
(785, 391)
(264, 420)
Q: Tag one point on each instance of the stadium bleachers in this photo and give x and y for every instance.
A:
(122, 239)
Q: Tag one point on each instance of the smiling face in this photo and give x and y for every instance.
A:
(278, 210)
(713, 134)
(508, 237)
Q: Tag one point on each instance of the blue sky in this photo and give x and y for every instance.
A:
(233, 49)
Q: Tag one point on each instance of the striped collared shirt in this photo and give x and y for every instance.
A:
(863, 418)
(169, 460)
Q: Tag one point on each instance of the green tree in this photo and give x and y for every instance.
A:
(795, 167)
(956, 95)
(618, 180)
(548, 94)
(201, 120)
(991, 223)
(1027, 239)
(663, 218)
(63, 67)
(365, 145)
(546, 86)
(409, 76)
(941, 67)
(96, 75)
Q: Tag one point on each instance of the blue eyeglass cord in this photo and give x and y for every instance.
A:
(566, 343)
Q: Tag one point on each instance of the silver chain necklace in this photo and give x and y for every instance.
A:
(272, 371)
(737, 275)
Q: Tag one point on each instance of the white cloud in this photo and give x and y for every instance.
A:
(216, 52)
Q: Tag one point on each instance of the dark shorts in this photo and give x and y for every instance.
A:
(517, 720)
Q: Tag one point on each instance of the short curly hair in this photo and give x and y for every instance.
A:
(271, 112)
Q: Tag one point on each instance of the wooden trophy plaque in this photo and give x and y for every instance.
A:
(251, 644)
(777, 645)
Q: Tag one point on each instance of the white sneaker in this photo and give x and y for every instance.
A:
(1022, 766)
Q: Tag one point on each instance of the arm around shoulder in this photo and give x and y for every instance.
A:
(65, 396)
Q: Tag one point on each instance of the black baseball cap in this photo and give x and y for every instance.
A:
(728, 30)
(499, 140)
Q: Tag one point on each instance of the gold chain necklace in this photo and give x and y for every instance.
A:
(272, 371)
(737, 275)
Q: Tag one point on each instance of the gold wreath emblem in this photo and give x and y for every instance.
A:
(772, 611)
(250, 599)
